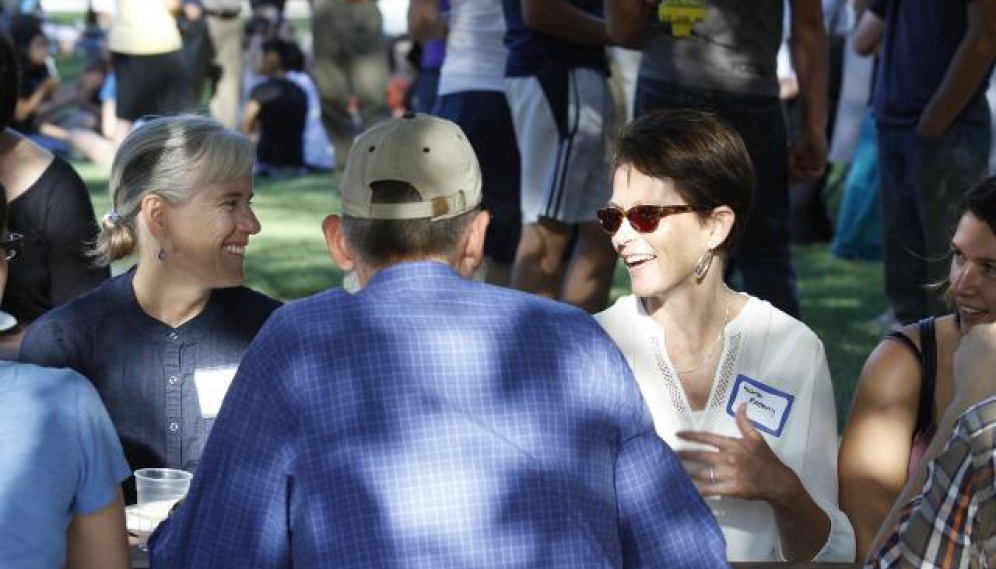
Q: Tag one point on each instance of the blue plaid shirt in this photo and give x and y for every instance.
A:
(430, 421)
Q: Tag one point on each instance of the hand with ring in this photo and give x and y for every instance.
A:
(743, 467)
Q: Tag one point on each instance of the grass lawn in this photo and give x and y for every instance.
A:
(289, 260)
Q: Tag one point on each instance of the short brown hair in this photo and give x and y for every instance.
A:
(706, 159)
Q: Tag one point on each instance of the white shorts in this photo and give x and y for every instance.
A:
(562, 122)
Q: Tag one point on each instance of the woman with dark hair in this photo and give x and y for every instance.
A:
(37, 82)
(740, 389)
(907, 381)
(50, 206)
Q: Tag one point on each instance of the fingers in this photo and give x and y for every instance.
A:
(711, 439)
(743, 423)
(707, 480)
(707, 458)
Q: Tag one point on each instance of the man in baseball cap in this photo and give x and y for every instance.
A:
(429, 420)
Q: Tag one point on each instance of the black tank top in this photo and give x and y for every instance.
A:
(927, 355)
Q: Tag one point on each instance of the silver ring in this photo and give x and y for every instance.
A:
(712, 475)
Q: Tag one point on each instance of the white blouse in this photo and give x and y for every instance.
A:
(774, 364)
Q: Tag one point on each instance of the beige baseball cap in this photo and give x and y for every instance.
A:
(430, 153)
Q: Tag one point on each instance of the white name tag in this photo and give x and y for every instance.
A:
(212, 384)
(767, 408)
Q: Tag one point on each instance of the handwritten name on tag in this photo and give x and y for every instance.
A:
(212, 384)
(767, 408)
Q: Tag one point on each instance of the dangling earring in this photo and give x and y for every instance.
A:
(702, 266)
(162, 255)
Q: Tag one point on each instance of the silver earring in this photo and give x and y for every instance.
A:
(702, 266)
(162, 255)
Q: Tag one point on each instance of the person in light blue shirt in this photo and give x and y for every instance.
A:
(62, 465)
(430, 420)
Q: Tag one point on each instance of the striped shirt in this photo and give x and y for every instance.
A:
(951, 523)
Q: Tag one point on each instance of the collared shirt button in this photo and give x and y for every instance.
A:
(173, 380)
(174, 427)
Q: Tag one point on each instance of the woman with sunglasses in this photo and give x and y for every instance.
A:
(741, 390)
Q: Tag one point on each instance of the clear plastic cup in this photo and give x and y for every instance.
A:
(158, 490)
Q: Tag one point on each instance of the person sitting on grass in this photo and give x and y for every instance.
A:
(276, 113)
(46, 109)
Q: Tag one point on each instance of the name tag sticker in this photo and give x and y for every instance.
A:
(212, 384)
(767, 408)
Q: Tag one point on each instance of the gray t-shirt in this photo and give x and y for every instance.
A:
(735, 49)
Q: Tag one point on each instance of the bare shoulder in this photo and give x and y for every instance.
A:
(22, 163)
(882, 417)
(891, 376)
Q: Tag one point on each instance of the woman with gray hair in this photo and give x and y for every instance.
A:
(161, 342)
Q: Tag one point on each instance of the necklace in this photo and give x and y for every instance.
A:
(712, 350)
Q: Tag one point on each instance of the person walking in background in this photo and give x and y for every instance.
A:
(225, 32)
(858, 234)
(738, 387)
(472, 94)
(428, 31)
(934, 138)
(429, 420)
(563, 112)
(350, 60)
(727, 65)
(151, 74)
(161, 341)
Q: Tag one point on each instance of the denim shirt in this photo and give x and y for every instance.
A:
(162, 386)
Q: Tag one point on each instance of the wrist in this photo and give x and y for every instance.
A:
(786, 494)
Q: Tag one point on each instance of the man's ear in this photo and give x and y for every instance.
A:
(335, 239)
(471, 252)
(155, 214)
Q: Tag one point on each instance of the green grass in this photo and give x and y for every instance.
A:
(289, 260)
(840, 300)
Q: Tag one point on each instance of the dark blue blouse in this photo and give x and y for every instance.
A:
(161, 385)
